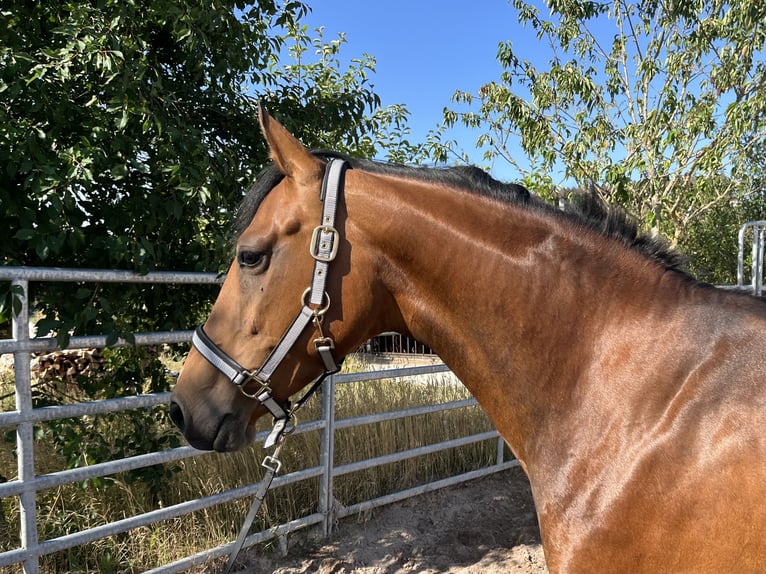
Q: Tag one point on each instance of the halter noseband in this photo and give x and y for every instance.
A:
(323, 248)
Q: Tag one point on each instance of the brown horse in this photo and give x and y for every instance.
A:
(633, 396)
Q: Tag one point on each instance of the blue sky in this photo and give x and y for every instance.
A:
(425, 50)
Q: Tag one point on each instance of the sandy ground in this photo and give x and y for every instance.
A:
(486, 526)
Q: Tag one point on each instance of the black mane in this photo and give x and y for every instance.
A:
(613, 222)
(462, 177)
(584, 209)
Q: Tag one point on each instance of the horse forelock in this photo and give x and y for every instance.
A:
(265, 181)
(584, 209)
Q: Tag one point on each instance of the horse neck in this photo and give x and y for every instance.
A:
(508, 297)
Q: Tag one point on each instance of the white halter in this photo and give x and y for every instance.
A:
(323, 248)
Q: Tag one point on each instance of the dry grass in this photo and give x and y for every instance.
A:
(74, 507)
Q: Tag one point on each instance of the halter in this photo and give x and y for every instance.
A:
(323, 248)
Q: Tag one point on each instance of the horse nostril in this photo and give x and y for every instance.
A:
(176, 414)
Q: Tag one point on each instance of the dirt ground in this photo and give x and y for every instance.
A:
(486, 526)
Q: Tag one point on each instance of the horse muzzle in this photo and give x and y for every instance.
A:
(207, 428)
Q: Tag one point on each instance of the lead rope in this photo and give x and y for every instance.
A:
(323, 248)
(272, 465)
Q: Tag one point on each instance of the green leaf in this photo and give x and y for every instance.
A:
(83, 293)
(662, 88)
(26, 234)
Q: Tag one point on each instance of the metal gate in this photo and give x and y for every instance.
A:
(758, 254)
(27, 483)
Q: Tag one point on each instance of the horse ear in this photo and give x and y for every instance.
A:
(289, 155)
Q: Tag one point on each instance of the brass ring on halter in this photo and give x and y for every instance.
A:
(322, 310)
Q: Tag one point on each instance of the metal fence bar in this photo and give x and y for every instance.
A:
(759, 249)
(225, 550)
(61, 275)
(398, 373)
(342, 512)
(48, 344)
(500, 450)
(411, 453)
(25, 430)
(422, 489)
(25, 416)
(758, 252)
(42, 414)
(21, 345)
(97, 470)
(404, 413)
(92, 534)
(327, 454)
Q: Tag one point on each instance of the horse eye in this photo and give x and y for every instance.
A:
(250, 259)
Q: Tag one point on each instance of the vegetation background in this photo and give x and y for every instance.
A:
(128, 135)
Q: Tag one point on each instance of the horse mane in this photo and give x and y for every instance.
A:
(461, 177)
(585, 209)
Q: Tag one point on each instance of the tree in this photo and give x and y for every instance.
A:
(646, 102)
(128, 134)
(711, 240)
(116, 117)
(123, 139)
(337, 108)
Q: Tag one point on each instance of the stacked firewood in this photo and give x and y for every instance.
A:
(67, 365)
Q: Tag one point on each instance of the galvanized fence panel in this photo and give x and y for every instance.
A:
(25, 416)
(758, 254)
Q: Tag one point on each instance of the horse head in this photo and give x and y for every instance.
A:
(293, 256)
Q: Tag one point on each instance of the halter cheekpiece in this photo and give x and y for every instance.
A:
(315, 303)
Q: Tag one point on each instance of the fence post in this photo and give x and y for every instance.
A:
(327, 455)
(758, 253)
(24, 430)
(759, 243)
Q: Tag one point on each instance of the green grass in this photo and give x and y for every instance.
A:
(71, 508)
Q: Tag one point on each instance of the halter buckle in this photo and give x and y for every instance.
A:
(324, 342)
(263, 386)
(324, 249)
(271, 463)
